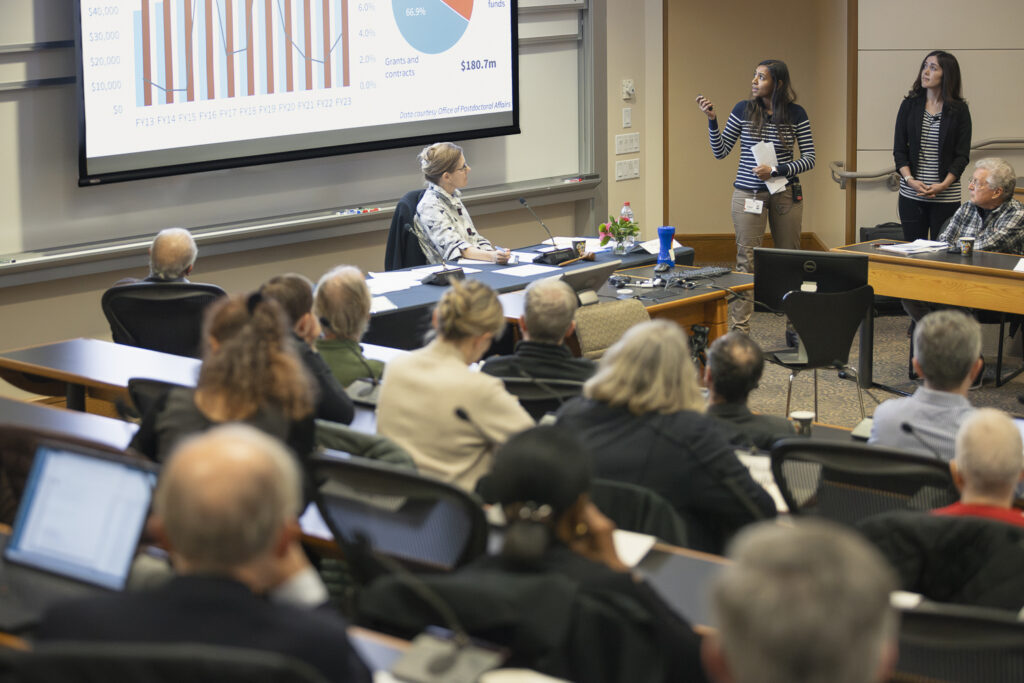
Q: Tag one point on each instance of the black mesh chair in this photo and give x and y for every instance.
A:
(542, 396)
(376, 508)
(848, 481)
(162, 316)
(636, 508)
(403, 246)
(826, 324)
(88, 662)
(961, 644)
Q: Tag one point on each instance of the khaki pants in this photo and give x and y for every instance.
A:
(783, 217)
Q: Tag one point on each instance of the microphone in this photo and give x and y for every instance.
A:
(908, 428)
(551, 258)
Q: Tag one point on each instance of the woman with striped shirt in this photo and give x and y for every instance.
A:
(931, 147)
(770, 115)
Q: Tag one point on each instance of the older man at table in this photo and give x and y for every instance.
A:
(172, 255)
(802, 604)
(947, 354)
(226, 507)
(993, 217)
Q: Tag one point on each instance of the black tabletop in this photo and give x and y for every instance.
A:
(96, 428)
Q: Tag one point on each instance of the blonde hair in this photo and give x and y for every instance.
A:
(255, 363)
(468, 309)
(649, 370)
(438, 159)
(342, 302)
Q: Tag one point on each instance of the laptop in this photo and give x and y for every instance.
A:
(82, 514)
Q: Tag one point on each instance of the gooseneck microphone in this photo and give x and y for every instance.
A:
(556, 256)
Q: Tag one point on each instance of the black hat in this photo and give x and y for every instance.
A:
(543, 465)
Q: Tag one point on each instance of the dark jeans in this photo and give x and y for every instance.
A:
(924, 220)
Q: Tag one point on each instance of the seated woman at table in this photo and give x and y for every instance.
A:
(342, 303)
(449, 418)
(250, 373)
(441, 216)
(557, 589)
(640, 418)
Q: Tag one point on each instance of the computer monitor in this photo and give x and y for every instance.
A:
(82, 513)
(778, 271)
(587, 280)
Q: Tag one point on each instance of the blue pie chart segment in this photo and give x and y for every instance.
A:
(430, 26)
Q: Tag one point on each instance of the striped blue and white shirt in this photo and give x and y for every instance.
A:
(737, 127)
(928, 164)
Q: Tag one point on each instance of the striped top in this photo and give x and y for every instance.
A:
(737, 127)
(928, 164)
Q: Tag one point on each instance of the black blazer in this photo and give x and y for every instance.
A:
(954, 136)
(214, 611)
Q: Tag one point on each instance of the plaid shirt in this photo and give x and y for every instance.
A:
(1002, 230)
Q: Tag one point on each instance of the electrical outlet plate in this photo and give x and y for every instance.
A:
(627, 169)
(628, 89)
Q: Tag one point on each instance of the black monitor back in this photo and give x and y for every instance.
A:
(777, 271)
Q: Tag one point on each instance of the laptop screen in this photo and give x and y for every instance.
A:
(82, 514)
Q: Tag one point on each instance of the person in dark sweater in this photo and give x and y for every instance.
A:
(640, 419)
(546, 322)
(735, 364)
(295, 294)
(226, 507)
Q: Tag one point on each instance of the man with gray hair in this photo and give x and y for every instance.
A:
(947, 354)
(172, 255)
(988, 465)
(226, 508)
(546, 322)
(992, 217)
(802, 604)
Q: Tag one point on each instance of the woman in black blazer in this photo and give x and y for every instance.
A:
(931, 147)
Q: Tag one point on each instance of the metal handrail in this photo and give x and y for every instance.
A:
(892, 178)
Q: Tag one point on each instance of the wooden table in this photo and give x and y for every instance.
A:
(95, 428)
(985, 280)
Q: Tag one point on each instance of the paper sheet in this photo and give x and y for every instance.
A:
(1020, 266)
(528, 270)
(760, 468)
(381, 303)
(764, 155)
(654, 246)
(632, 547)
(915, 247)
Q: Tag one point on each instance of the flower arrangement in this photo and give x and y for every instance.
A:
(618, 229)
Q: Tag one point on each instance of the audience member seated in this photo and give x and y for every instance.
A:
(802, 604)
(640, 419)
(250, 373)
(171, 257)
(992, 217)
(342, 305)
(988, 465)
(441, 218)
(734, 367)
(947, 355)
(226, 508)
(557, 545)
(295, 295)
(449, 418)
(546, 323)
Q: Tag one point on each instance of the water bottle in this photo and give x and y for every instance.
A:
(627, 212)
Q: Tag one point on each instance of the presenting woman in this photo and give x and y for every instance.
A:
(931, 147)
(449, 418)
(771, 116)
(441, 216)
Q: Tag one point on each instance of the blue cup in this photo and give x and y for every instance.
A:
(666, 233)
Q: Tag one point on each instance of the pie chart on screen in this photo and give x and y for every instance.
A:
(432, 26)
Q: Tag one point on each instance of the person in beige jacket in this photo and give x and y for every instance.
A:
(448, 417)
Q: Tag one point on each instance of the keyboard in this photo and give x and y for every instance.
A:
(704, 272)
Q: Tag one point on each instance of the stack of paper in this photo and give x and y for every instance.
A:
(915, 247)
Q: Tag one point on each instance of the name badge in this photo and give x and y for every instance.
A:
(753, 206)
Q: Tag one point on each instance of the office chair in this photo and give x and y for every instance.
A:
(637, 508)
(958, 643)
(848, 481)
(86, 662)
(403, 246)
(826, 324)
(18, 445)
(375, 508)
(600, 325)
(339, 437)
(540, 396)
(946, 558)
(161, 316)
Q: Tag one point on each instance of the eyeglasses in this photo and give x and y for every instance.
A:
(464, 167)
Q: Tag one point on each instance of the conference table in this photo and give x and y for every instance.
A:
(96, 428)
(984, 280)
(406, 320)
